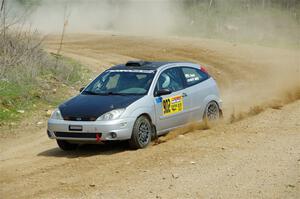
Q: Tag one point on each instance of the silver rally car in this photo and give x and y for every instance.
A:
(136, 101)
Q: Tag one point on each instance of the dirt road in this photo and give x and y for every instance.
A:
(254, 153)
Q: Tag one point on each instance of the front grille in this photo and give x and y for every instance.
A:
(76, 135)
(70, 118)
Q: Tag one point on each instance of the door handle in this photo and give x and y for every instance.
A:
(184, 95)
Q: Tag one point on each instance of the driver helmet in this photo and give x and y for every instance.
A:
(165, 81)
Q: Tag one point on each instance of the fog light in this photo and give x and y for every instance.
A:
(113, 135)
(123, 124)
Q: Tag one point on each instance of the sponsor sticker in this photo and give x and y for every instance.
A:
(172, 105)
(191, 77)
(158, 100)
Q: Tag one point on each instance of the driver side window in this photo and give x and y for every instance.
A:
(170, 79)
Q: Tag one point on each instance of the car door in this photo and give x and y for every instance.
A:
(171, 109)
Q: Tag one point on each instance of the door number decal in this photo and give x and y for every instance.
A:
(172, 105)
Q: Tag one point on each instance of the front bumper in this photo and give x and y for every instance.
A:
(120, 129)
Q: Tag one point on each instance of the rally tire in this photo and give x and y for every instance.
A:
(66, 146)
(141, 133)
(212, 112)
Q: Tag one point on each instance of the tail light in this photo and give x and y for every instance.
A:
(203, 69)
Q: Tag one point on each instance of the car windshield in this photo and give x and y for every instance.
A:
(121, 82)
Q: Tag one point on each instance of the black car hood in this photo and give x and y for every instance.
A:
(90, 107)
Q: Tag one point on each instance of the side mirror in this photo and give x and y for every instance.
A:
(163, 92)
(81, 89)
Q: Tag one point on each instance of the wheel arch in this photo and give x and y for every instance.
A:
(146, 111)
(146, 115)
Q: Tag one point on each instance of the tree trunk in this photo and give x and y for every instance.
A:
(210, 3)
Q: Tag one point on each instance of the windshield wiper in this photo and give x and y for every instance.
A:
(93, 93)
(109, 93)
(90, 93)
(113, 93)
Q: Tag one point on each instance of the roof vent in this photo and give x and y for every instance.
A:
(136, 63)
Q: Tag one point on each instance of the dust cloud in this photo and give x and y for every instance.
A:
(156, 17)
(231, 20)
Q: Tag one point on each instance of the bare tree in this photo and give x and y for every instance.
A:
(3, 12)
(65, 24)
(210, 3)
(3, 9)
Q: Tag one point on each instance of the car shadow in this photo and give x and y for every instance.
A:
(88, 150)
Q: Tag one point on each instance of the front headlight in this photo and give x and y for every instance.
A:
(56, 115)
(111, 115)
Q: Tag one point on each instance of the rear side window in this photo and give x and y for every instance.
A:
(193, 76)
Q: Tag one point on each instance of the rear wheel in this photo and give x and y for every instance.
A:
(66, 146)
(141, 134)
(212, 111)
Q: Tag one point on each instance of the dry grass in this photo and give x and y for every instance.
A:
(22, 59)
(29, 75)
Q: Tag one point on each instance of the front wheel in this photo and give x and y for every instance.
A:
(66, 146)
(212, 111)
(141, 133)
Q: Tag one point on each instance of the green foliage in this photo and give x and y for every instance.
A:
(15, 97)
(30, 75)
(28, 95)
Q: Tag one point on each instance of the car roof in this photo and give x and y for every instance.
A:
(143, 65)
